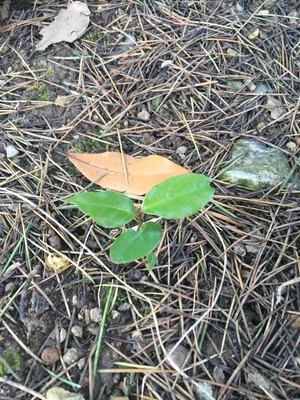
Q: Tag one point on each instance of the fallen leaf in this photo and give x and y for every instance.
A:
(275, 107)
(140, 174)
(68, 25)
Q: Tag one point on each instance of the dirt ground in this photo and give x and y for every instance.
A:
(225, 290)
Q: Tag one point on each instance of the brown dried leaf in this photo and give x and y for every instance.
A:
(138, 176)
(67, 26)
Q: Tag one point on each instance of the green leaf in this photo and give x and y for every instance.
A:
(178, 196)
(132, 245)
(108, 209)
(151, 261)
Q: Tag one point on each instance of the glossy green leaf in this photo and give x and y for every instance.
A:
(151, 261)
(106, 208)
(178, 196)
(132, 245)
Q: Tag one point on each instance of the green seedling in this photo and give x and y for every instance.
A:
(176, 197)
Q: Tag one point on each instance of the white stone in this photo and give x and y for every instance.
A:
(71, 356)
(11, 151)
(57, 393)
(81, 363)
(178, 358)
(144, 115)
(77, 331)
(62, 335)
(96, 314)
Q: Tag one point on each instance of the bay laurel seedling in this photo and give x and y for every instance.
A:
(176, 197)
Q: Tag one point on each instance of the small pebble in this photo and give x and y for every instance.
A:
(245, 274)
(218, 374)
(62, 335)
(50, 355)
(137, 340)
(74, 300)
(115, 314)
(11, 151)
(291, 146)
(240, 250)
(71, 356)
(204, 391)
(144, 116)
(179, 357)
(124, 307)
(295, 324)
(9, 287)
(81, 363)
(55, 242)
(239, 8)
(166, 63)
(181, 151)
(77, 331)
(57, 393)
(96, 314)
(93, 329)
(134, 274)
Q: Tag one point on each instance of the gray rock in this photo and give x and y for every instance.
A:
(77, 331)
(57, 393)
(71, 356)
(204, 391)
(179, 358)
(144, 116)
(255, 165)
(181, 151)
(96, 314)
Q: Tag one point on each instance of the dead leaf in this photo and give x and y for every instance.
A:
(107, 170)
(275, 107)
(68, 25)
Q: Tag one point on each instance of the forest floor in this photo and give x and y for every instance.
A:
(225, 292)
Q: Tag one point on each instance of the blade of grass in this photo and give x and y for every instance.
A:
(100, 336)
(66, 381)
(289, 175)
(226, 326)
(11, 300)
(222, 208)
(15, 250)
